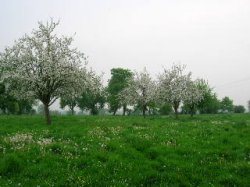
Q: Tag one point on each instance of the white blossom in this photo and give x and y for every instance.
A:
(141, 90)
(173, 85)
(194, 93)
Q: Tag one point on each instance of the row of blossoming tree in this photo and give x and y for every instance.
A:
(43, 66)
(172, 87)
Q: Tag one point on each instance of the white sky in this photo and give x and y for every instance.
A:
(212, 37)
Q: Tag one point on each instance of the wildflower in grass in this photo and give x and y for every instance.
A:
(145, 136)
(19, 140)
(85, 149)
(115, 130)
(22, 137)
(44, 141)
(170, 143)
(139, 127)
(217, 122)
(103, 145)
(97, 132)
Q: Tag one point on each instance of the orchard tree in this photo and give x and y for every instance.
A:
(210, 103)
(93, 97)
(226, 104)
(193, 95)
(141, 91)
(43, 65)
(72, 94)
(239, 109)
(70, 101)
(173, 86)
(119, 81)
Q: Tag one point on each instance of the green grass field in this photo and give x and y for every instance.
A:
(125, 151)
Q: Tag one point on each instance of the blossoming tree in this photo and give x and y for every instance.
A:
(173, 85)
(141, 91)
(194, 94)
(43, 65)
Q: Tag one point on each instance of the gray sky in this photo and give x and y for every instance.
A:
(212, 37)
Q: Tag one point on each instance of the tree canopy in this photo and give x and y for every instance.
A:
(93, 97)
(173, 85)
(226, 104)
(141, 91)
(43, 65)
(119, 81)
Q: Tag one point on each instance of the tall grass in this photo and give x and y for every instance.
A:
(208, 150)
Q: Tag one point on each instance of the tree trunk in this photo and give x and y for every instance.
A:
(192, 110)
(72, 110)
(149, 112)
(176, 112)
(47, 114)
(4, 111)
(176, 106)
(144, 111)
(94, 110)
(114, 112)
(124, 110)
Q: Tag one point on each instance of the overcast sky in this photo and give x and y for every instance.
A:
(212, 37)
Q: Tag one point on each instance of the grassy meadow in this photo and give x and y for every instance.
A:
(208, 150)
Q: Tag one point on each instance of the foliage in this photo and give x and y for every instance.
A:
(153, 107)
(226, 104)
(93, 98)
(71, 102)
(119, 81)
(6, 100)
(90, 101)
(239, 109)
(12, 105)
(125, 151)
(165, 109)
(210, 103)
(43, 66)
